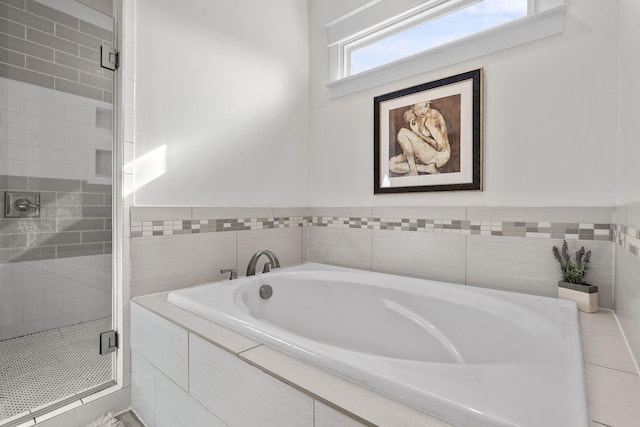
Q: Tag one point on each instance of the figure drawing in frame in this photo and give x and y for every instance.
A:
(424, 137)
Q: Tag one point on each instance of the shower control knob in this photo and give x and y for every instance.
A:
(23, 205)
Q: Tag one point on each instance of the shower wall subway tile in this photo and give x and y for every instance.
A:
(53, 134)
(59, 46)
(50, 293)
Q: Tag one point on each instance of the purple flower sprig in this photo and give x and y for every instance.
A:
(573, 271)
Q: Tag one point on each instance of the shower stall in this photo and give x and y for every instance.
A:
(56, 223)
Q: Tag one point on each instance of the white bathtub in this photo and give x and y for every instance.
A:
(470, 356)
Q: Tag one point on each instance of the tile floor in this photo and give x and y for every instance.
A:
(47, 366)
(612, 379)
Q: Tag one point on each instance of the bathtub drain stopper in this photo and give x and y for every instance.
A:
(266, 291)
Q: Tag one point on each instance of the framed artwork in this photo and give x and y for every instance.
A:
(429, 137)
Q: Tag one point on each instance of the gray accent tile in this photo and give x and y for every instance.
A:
(68, 251)
(84, 224)
(27, 47)
(13, 240)
(52, 239)
(27, 19)
(60, 212)
(96, 188)
(10, 182)
(78, 63)
(26, 76)
(27, 225)
(51, 184)
(31, 254)
(80, 199)
(96, 236)
(12, 58)
(96, 81)
(78, 89)
(90, 54)
(51, 14)
(96, 212)
(12, 28)
(104, 6)
(51, 41)
(47, 198)
(78, 37)
(107, 96)
(46, 67)
(96, 31)
(15, 3)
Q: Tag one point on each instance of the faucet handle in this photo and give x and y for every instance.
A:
(233, 275)
(267, 267)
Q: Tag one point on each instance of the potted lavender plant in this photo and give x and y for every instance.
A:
(573, 286)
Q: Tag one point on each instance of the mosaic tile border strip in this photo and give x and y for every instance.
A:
(194, 226)
(551, 230)
(628, 238)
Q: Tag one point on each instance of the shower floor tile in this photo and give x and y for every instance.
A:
(48, 366)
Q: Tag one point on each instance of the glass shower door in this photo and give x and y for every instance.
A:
(56, 150)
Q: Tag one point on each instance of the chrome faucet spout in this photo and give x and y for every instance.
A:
(253, 262)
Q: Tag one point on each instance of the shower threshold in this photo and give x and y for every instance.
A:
(50, 369)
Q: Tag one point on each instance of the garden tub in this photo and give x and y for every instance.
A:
(467, 355)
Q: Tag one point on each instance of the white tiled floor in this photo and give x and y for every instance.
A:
(41, 368)
(612, 379)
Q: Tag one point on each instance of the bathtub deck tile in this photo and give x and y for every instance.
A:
(216, 334)
(360, 403)
(614, 396)
(219, 335)
(603, 343)
(155, 302)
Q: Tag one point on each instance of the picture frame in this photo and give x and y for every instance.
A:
(429, 137)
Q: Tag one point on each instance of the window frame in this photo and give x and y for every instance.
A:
(354, 30)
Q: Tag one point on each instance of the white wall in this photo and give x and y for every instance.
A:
(550, 120)
(629, 150)
(221, 103)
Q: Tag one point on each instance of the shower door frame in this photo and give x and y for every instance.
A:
(119, 294)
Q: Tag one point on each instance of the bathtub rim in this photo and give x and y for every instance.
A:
(568, 304)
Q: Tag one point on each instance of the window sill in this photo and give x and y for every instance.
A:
(521, 31)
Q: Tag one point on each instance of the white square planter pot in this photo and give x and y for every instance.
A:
(586, 296)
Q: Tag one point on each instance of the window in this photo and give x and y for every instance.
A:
(381, 48)
(387, 40)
